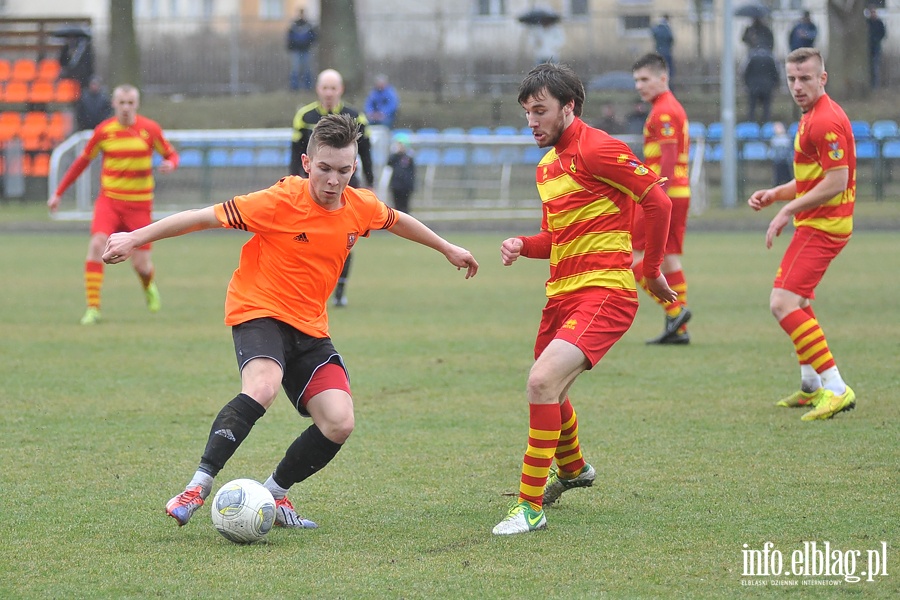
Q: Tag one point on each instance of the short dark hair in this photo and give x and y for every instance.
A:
(560, 81)
(653, 61)
(335, 131)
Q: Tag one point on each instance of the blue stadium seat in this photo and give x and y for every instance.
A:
(190, 158)
(454, 157)
(218, 157)
(508, 154)
(507, 130)
(767, 130)
(483, 156)
(428, 156)
(273, 157)
(243, 157)
(884, 128)
(480, 131)
(533, 155)
(755, 150)
(526, 131)
(713, 152)
(746, 130)
(714, 132)
(867, 149)
(861, 130)
(891, 149)
(696, 129)
(792, 130)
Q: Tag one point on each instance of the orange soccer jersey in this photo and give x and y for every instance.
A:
(588, 191)
(127, 172)
(289, 268)
(667, 123)
(824, 141)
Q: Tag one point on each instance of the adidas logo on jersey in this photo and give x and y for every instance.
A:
(301, 238)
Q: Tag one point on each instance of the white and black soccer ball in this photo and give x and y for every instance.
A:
(243, 511)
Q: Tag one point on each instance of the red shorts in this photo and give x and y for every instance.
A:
(806, 259)
(112, 216)
(677, 227)
(593, 320)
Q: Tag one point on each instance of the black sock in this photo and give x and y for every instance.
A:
(306, 455)
(231, 427)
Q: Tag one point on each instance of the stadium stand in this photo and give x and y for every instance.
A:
(35, 106)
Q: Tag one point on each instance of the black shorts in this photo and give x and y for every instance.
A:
(299, 355)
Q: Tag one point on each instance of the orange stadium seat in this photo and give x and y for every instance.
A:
(60, 125)
(15, 92)
(24, 69)
(10, 119)
(40, 165)
(42, 92)
(5, 69)
(67, 90)
(48, 69)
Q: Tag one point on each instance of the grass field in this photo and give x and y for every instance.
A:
(101, 426)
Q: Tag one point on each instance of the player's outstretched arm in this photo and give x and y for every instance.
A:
(120, 246)
(412, 229)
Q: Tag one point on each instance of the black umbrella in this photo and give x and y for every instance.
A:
(71, 31)
(612, 80)
(539, 16)
(754, 11)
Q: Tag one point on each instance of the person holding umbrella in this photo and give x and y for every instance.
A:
(76, 57)
(547, 35)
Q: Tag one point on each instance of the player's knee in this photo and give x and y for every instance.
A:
(338, 429)
(541, 388)
(264, 392)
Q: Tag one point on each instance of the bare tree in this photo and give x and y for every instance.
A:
(339, 46)
(124, 54)
(848, 57)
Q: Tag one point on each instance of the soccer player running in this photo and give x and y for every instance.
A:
(820, 202)
(125, 202)
(330, 92)
(589, 183)
(666, 146)
(303, 230)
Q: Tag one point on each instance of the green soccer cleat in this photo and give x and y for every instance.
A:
(151, 293)
(801, 398)
(91, 316)
(830, 404)
(556, 486)
(521, 519)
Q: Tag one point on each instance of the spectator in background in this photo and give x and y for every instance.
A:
(782, 147)
(758, 35)
(403, 173)
(761, 78)
(877, 33)
(329, 94)
(804, 33)
(382, 103)
(300, 39)
(664, 40)
(94, 105)
(76, 58)
(610, 122)
(547, 40)
(636, 118)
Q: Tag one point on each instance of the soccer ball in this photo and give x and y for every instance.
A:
(243, 511)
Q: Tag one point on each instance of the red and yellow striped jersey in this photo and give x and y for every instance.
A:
(289, 268)
(127, 171)
(667, 123)
(589, 183)
(824, 141)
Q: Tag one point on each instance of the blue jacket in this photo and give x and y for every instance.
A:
(386, 102)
